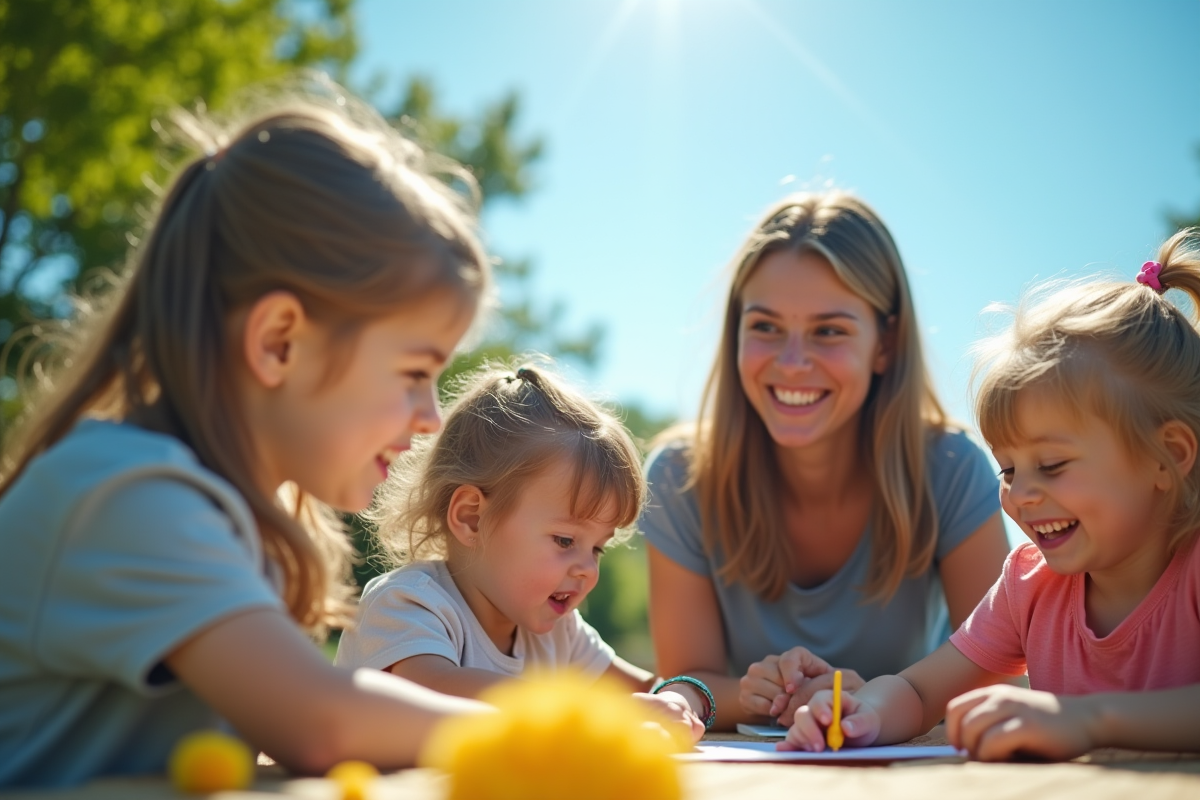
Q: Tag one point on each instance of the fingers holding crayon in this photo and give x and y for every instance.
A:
(859, 723)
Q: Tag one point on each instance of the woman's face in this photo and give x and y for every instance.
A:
(808, 348)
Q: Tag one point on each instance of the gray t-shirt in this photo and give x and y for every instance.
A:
(117, 547)
(832, 619)
(418, 610)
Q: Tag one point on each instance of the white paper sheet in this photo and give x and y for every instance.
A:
(765, 751)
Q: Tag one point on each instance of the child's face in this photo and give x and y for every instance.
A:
(1072, 473)
(538, 563)
(807, 348)
(337, 440)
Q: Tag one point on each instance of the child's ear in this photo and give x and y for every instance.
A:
(1179, 440)
(886, 352)
(464, 513)
(269, 336)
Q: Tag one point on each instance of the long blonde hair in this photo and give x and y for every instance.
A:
(733, 464)
(327, 203)
(506, 426)
(1118, 349)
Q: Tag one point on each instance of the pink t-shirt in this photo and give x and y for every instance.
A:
(1034, 618)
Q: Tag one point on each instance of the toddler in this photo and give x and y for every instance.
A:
(500, 524)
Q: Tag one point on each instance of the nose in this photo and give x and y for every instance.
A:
(794, 355)
(1023, 491)
(426, 417)
(587, 568)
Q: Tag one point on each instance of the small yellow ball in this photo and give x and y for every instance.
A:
(210, 761)
(555, 737)
(353, 778)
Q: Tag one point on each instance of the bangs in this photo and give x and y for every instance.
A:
(996, 410)
(605, 473)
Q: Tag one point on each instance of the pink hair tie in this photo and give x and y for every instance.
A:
(1149, 275)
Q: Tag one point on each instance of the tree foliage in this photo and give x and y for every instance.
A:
(80, 83)
(501, 163)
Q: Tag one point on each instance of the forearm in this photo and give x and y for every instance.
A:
(1162, 720)
(375, 717)
(902, 713)
(442, 675)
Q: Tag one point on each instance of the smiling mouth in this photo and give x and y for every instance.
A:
(560, 601)
(385, 457)
(1052, 534)
(798, 398)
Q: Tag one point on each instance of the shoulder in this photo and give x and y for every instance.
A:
(951, 450)
(116, 481)
(667, 465)
(419, 584)
(1025, 569)
(962, 483)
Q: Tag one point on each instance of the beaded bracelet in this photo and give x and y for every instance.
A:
(710, 714)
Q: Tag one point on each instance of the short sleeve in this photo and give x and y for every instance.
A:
(965, 489)
(991, 636)
(155, 562)
(671, 520)
(407, 616)
(589, 653)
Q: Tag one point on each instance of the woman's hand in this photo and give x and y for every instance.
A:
(778, 685)
(996, 723)
(673, 712)
(860, 723)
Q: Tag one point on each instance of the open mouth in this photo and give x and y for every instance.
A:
(798, 398)
(385, 457)
(1054, 534)
(560, 602)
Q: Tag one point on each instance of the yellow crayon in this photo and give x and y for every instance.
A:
(834, 736)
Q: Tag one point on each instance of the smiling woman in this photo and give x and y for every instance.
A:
(822, 508)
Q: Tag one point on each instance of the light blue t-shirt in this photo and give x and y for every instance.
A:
(833, 619)
(116, 546)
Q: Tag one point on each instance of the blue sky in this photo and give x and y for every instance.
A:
(1003, 142)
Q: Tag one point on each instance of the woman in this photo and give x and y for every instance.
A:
(822, 511)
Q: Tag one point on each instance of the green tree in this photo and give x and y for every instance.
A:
(80, 82)
(502, 164)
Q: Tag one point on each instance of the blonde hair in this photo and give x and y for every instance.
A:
(1117, 349)
(505, 428)
(733, 466)
(317, 197)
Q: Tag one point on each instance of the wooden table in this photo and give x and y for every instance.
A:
(1101, 775)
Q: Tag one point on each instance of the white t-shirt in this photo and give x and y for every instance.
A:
(417, 610)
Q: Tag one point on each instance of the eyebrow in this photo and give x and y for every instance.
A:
(429, 352)
(819, 317)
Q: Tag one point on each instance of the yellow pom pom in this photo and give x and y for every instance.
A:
(209, 761)
(353, 778)
(555, 737)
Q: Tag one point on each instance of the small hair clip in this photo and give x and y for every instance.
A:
(1149, 276)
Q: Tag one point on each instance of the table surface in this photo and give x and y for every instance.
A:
(1101, 775)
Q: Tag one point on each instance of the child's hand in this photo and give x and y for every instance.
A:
(996, 723)
(860, 723)
(786, 705)
(673, 711)
(769, 685)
